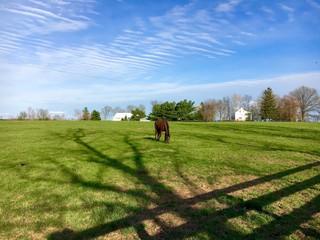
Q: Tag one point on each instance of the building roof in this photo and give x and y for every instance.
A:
(241, 110)
(120, 116)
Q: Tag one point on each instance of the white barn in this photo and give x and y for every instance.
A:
(120, 116)
(242, 115)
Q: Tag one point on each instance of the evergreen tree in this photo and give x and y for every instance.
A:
(172, 111)
(165, 110)
(137, 114)
(95, 116)
(268, 105)
(185, 110)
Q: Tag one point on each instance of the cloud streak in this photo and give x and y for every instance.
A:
(133, 53)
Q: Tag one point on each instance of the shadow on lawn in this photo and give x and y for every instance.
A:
(211, 223)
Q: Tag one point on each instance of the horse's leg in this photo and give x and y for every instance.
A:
(157, 135)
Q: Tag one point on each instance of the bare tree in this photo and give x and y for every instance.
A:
(85, 114)
(118, 109)
(307, 99)
(131, 108)
(43, 114)
(77, 114)
(31, 113)
(219, 106)
(287, 108)
(236, 102)
(142, 107)
(226, 108)
(23, 115)
(105, 111)
(246, 101)
(155, 102)
(208, 110)
(58, 116)
(255, 110)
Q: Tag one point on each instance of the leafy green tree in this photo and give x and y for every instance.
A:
(137, 114)
(185, 110)
(95, 116)
(163, 110)
(85, 114)
(268, 105)
(197, 114)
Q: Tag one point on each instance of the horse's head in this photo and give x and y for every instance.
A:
(167, 138)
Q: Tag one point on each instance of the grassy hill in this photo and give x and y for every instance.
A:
(111, 180)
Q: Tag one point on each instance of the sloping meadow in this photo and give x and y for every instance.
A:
(112, 180)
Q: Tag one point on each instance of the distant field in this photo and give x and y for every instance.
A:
(111, 180)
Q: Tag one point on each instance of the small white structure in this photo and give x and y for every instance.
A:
(122, 116)
(144, 120)
(242, 115)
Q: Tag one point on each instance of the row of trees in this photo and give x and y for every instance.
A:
(40, 114)
(86, 115)
(299, 105)
(183, 110)
(138, 112)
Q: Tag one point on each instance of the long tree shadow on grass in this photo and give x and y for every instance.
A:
(195, 221)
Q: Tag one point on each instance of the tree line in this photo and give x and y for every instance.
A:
(40, 114)
(138, 112)
(301, 104)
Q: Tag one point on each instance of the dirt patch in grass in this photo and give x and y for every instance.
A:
(162, 222)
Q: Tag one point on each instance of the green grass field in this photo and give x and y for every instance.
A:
(111, 180)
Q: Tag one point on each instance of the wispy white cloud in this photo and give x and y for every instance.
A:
(25, 13)
(181, 31)
(228, 6)
(39, 3)
(289, 11)
(314, 4)
(286, 8)
(34, 17)
(267, 10)
(247, 34)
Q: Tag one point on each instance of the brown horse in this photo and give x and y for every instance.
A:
(161, 125)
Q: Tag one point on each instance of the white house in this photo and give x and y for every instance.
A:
(120, 116)
(242, 115)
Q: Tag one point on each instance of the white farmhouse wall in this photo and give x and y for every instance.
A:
(119, 116)
(242, 115)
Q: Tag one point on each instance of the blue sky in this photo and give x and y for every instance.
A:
(63, 55)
